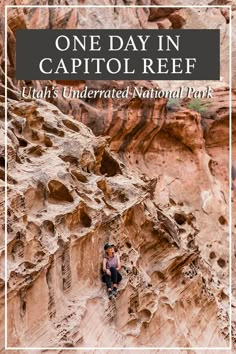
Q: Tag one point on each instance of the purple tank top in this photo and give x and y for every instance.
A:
(112, 262)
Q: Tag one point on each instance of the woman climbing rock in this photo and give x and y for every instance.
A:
(111, 266)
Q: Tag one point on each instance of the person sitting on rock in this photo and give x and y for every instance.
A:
(111, 266)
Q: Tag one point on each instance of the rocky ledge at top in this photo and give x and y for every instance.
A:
(147, 18)
(150, 179)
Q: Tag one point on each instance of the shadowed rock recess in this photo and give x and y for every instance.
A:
(138, 173)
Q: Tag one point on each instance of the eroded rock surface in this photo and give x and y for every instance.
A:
(152, 181)
(68, 194)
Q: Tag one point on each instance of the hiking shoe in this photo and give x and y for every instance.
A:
(110, 294)
(114, 291)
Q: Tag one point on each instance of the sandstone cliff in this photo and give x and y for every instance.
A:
(152, 180)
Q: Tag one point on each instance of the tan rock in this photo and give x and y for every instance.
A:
(164, 23)
(156, 13)
(177, 19)
(153, 183)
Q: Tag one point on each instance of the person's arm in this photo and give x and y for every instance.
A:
(104, 267)
(118, 262)
(104, 264)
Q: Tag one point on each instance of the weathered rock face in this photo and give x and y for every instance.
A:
(150, 180)
(68, 195)
(60, 217)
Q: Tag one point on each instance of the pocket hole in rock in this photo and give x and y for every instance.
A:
(52, 130)
(18, 250)
(49, 227)
(71, 159)
(145, 315)
(212, 255)
(2, 161)
(2, 175)
(79, 176)
(123, 198)
(180, 218)
(58, 192)
(85, 219)
(221, 262)
(22, 142)
(172, 202)
(35, 151)
(47, 142)
(70, 125)
(22, 303)
(109, 165)
(222, 220)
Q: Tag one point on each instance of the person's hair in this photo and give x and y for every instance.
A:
(106, 251)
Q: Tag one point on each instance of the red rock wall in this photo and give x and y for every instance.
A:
(152, 180)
